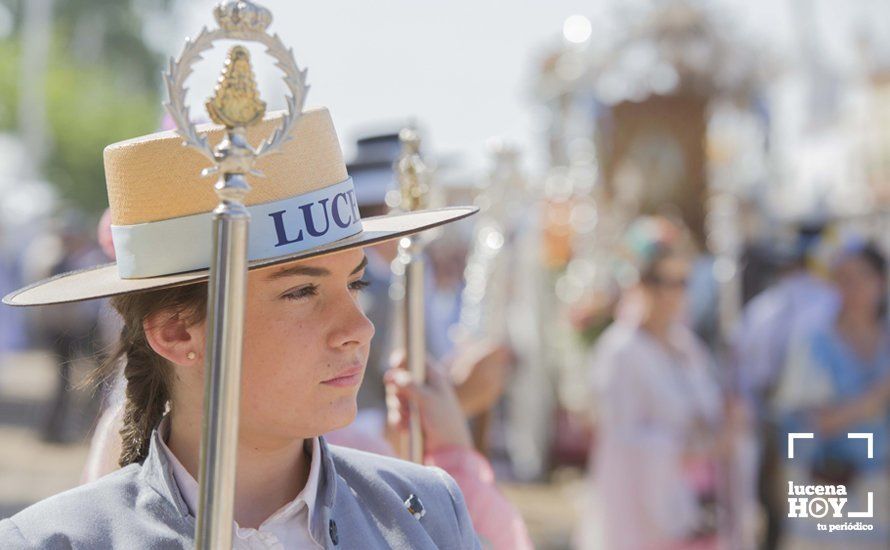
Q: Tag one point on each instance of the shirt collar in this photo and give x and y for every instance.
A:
(188, 487)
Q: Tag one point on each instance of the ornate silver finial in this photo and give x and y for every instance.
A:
(236, 102)
(242, 16)
(412, 172)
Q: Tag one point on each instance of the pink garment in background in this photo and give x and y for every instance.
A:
(103, 234)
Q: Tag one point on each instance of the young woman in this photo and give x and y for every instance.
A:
(659, 410)
(447, 440)
(305, 349)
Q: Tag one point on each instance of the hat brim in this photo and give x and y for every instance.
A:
(103, 280)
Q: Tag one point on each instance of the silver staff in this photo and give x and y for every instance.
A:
(413, 177)
(236, 105)
(490, 285)
(485, 297)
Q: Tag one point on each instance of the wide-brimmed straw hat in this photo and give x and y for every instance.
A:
(161, 211)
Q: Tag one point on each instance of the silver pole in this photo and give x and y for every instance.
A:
(410, 250)
(236, 105)
(222, 381)
(413, 175)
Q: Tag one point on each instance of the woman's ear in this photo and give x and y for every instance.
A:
(174, 339)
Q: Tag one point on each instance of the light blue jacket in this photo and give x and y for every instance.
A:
(360, 505)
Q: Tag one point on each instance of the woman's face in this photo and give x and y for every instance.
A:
(861, 287)
(667, 293)
(305, 347)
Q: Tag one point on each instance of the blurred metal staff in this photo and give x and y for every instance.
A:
(236, 105)
(413, 177)
(487, 294)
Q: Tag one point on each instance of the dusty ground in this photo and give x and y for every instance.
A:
(550, 510)
(31, 469)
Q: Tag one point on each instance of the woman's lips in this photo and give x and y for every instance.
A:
(347, 378)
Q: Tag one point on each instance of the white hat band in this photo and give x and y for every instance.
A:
(277, 228)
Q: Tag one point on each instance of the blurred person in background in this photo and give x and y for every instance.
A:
(478, 369)
(68, 331)
(447, 257)
(660, 411)
(760, 350)
(12, 334)
(837, 381)
(768, 320)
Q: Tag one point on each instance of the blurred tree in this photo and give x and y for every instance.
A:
(102, 85)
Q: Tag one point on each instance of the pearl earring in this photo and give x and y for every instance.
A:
(191, 355)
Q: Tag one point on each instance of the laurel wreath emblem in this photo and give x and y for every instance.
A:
(178, 72)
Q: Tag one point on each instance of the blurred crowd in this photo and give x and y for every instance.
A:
(691, 443)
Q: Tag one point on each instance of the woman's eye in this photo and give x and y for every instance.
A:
(300, 293)
(358, 285)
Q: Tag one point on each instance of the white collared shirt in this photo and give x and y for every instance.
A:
(287, 528)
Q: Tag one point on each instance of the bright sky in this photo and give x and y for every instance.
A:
(462, 69)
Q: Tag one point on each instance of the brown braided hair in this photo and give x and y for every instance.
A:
(149, 376)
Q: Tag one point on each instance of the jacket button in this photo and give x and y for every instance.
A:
(415, 506)
(333, 530)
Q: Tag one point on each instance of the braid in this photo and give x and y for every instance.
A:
(148, 391)
(149, 376)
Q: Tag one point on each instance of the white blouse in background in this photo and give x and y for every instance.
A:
(648, 401)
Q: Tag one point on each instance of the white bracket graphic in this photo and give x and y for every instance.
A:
(869, 513)
(870, 441)
(792, 437)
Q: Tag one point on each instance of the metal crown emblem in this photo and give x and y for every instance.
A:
(242, 16)
(236, 103)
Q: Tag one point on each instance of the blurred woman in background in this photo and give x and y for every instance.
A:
(837, 381)
(655, 462)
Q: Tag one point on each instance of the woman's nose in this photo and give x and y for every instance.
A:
(353, 327)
